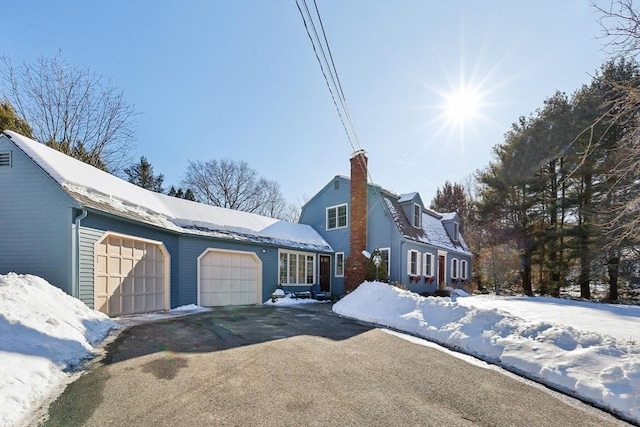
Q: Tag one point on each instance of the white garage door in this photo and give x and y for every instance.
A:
(229, 278)
(131, 275)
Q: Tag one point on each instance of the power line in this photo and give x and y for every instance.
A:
(344, 99)
(329, 73)
(349, 128)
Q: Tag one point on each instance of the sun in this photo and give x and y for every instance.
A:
(462, 105)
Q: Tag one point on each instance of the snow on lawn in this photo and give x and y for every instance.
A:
(44, 333)
(588, 350)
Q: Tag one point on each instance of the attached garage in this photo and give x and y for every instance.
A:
(131, 275)
(229, 278)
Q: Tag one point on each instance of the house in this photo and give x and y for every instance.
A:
(421, 249)
(122, 249)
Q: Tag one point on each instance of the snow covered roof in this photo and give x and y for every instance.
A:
(406, 197)
(432, 231)
(99, 190)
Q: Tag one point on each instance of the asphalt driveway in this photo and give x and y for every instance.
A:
(250, 366)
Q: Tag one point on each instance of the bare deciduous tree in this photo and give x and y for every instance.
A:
(76, 111)
(620, 23)
(235, 185)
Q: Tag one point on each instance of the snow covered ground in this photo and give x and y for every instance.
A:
(44, 334)
(591, 351)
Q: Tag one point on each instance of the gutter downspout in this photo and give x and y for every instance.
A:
(75, 291)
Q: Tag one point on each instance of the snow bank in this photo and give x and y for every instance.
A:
(289, 300)
(43, 334)
(594, 367)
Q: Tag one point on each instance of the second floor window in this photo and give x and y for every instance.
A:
(417, 215)
(337, 217)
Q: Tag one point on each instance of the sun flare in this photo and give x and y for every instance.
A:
(462, 106)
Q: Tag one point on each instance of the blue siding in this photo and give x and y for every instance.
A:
(184, 251)
(35, 221)
(314, 214)
(381, 233)
(191, 247)
(381, 230)
(88, 238)
(96, 224)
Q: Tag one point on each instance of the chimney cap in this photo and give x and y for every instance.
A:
(359, 153)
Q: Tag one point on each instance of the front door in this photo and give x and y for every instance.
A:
(325, 273)
(440, 271)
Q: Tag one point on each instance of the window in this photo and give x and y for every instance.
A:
(454, 268)
(337, 217)
(427, 262)
(5, 158)
(463, 269)
(339, 264)
(385, 254)
(413, 262)
(417, 215)
(297, 268)
(455, 231)
(336, 185)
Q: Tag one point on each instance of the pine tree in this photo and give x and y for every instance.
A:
(452, 198)
(180, 194)
(9, 120)
(141, 174)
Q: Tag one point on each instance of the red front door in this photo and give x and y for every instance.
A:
(440, 271)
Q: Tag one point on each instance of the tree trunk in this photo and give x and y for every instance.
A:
(613, 264)
(525, 272)
(584, 236)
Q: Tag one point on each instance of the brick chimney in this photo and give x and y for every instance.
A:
(356, 268)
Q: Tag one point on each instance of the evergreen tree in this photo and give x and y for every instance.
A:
(9, 120)
(141, 174)
(452, 198)
(179, 193)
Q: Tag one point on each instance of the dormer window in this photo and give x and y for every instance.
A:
(417, 215)
(455, 232)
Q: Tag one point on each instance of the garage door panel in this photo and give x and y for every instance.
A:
(114, 303)
(128, 285)
(228, 278)
(130, 276)
(113, 284)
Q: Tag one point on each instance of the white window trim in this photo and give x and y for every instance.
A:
(409, 272)
(388, 260)
(419, 224)
(336, 264)
(454, 270)
(326, 217)
(424, 264)
(463, 269)
(297, 253)
(456, 231)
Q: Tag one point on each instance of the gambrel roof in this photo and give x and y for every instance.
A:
(95, 189)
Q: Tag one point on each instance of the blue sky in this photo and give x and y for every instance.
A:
(239, 79)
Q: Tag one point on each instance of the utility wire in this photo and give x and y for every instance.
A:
(344, 99)
(343, 112)
(318, 47)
